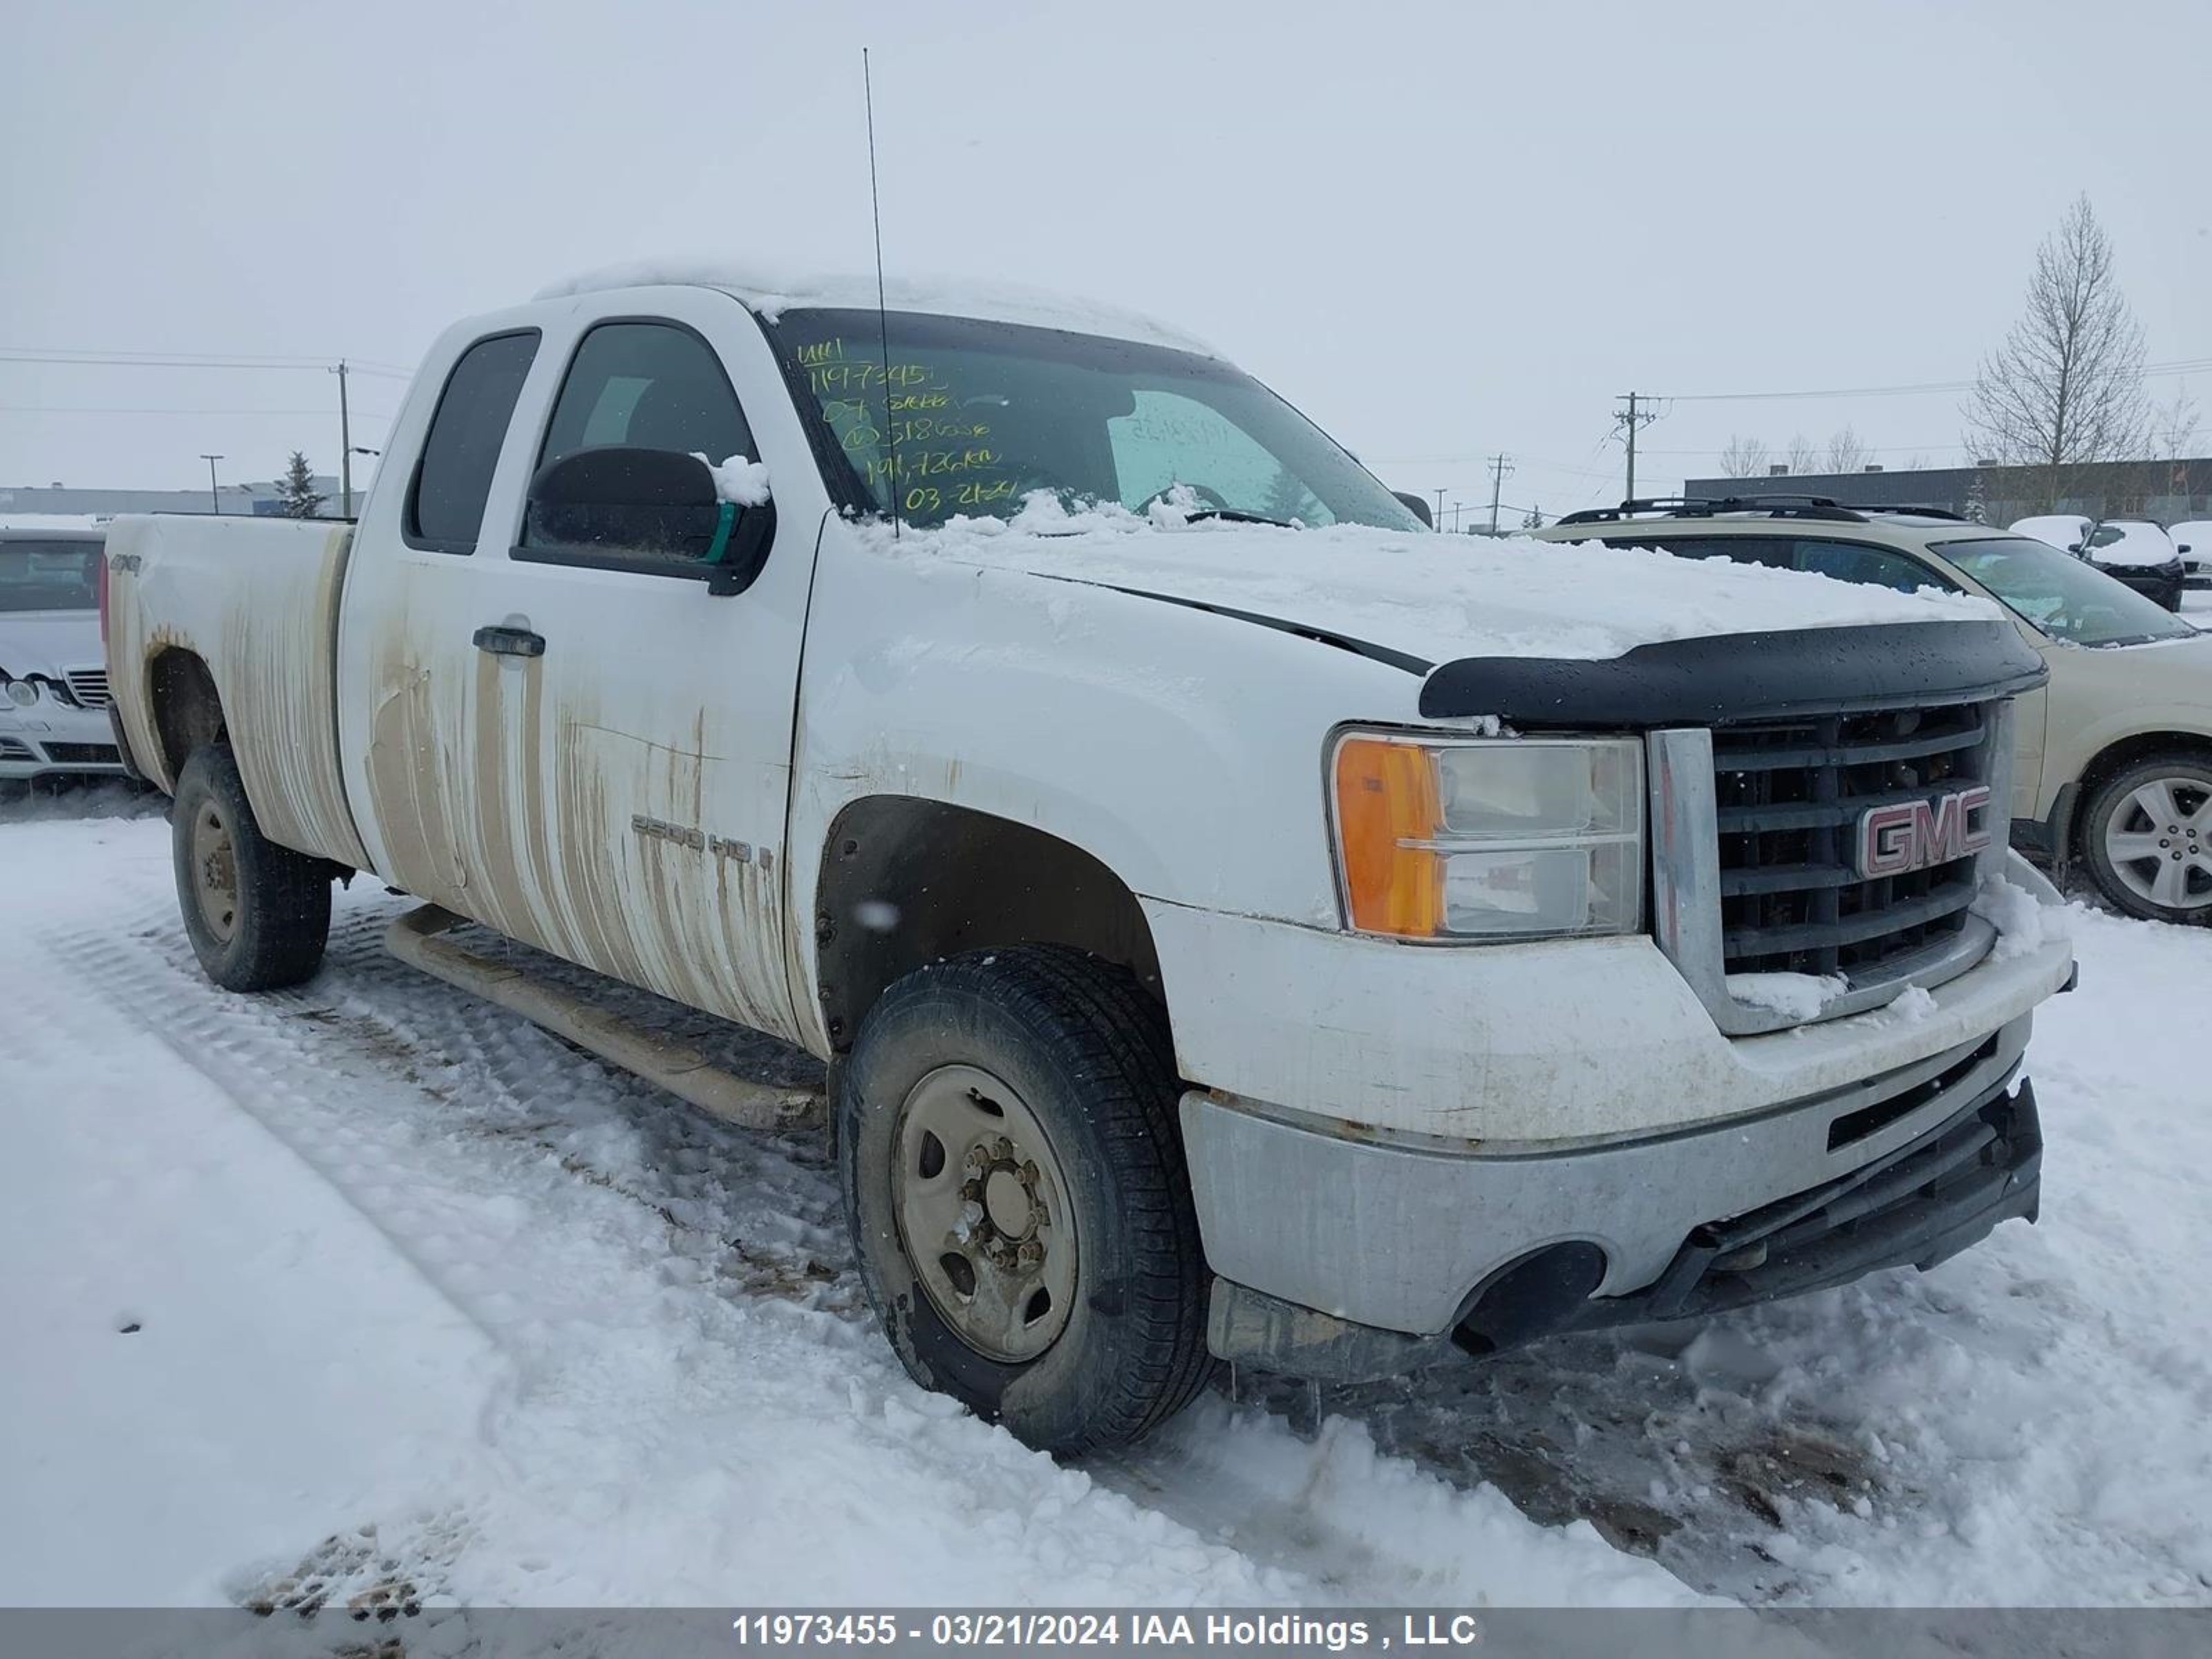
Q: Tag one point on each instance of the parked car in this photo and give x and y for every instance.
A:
(2135, 551)
(53, 674)
(1238, 923)
(2113, 763)
(2193, 541)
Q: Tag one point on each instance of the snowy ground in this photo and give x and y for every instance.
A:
(368, 1288)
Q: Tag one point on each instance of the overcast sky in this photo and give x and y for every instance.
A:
(1445, 230)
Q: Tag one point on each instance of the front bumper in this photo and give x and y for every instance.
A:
(2162, 583)
(1408, 1238)
(53, 738)
(1918, 1204)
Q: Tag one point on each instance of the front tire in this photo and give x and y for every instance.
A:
(1015, 1186)
(2147, 835)
(259, 915)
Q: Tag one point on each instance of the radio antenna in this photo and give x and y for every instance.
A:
(883, 312)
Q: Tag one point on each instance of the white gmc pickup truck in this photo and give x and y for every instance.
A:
(1237, 922)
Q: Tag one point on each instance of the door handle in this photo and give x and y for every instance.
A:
(510, 641)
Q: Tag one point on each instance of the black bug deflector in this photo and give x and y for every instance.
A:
(1731, 677)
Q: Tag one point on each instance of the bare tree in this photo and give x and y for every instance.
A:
(2173, 426)
(2067, 384)
(1800, 454)
(1847, 453)
(1744, 457)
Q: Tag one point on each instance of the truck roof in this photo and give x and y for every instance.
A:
(770, 292)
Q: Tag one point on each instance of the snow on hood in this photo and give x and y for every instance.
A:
(2133, 544)
(771, 293)
(1432, 596)
(49, 641)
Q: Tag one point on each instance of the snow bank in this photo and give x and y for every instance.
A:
(1440, 597)
(771, 292)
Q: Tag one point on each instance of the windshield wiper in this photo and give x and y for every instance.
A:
(1238, 515)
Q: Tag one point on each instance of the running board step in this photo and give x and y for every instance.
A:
(659, 1058)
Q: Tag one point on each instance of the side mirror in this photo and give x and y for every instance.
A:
(1417, 505)
(2075, 548)
(2182, 547)
(655, 507)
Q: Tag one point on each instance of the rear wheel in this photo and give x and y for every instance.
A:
(2147, 835)
(258, 914)
(1015, 1186)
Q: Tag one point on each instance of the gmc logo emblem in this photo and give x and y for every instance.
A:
(1913, 834)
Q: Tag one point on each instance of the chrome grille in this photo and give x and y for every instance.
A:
(1753, 864)
(1788, 798)
(89, 687)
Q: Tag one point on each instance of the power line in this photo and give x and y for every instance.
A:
(69, 356)
(2185, 365)
(91, 409)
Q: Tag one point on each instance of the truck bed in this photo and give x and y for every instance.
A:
(254, 602)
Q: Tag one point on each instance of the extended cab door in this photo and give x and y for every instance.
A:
(583, 749)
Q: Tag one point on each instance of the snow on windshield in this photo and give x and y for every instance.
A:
(1440, 597)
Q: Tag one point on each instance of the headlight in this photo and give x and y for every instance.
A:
(22, 693)
(1489, 838)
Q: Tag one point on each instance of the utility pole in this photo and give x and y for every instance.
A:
(214, 504)
(1499, 466)
(1440, 509)
(345, 446)
(1631, 421)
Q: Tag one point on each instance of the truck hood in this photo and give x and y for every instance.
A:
(1424, 598)
(48, 642)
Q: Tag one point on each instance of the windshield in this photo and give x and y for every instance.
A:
(49, 575)
(982, 414)
(2063, 597)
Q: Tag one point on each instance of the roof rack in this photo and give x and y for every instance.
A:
(1919, 510)
(1695, 506)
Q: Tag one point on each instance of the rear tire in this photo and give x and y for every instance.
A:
(259, 915)
(2147, 836)
(1015, 1186)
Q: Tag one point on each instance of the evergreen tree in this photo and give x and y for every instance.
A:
(1534, 520)
(296, 489)
(1977, 500)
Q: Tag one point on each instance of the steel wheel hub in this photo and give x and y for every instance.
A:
(214, 874)
(982, 1211)
(2159, 842)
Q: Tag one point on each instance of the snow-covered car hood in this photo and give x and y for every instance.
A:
(1430, 596)
(2138, 545)
(49, 642)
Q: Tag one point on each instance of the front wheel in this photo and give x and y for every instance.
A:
(2147, 835)
(1015, 1186)
(258, 914)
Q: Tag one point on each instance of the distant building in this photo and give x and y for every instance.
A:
(259, 499)
(2167, 491)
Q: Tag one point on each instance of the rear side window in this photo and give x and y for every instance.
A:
(1742, 550)
(445, 504)
(1869, 567)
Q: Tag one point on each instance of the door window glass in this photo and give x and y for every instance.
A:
(446, 502)
(646, 386)
(1870, 567)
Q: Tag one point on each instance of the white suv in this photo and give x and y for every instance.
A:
(2113, 763)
